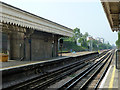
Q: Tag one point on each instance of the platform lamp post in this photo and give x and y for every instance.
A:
(90, 44)
(61, 45)
(97, 47)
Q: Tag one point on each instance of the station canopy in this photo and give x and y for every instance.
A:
(15, 16)
(112, 10)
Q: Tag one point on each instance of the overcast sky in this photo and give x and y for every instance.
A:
(88, 15)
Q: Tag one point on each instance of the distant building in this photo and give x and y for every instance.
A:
(100, 40)
(90, 38)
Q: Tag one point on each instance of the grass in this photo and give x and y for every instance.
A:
(72, 75)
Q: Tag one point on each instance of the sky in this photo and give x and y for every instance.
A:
(88, 15)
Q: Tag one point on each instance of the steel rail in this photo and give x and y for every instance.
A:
(58, 71)
(83, 87)
(39, 86)
(59, 77)
(49, 74)
(102, 76)
(25, 85)
(39, 76)
(76, 79)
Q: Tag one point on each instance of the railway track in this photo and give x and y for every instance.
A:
(83, 79)
(54, 75)
(95, 80)
(60, 76)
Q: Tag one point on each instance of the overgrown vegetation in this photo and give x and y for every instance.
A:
(118, 41)
(70, 43)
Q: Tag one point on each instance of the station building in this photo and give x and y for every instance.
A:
(26, 36)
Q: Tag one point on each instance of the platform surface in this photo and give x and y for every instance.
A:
(15, 63)
(76, 53)
(111, 80)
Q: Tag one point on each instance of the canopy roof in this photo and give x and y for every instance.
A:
(112, 10)
(15, 16)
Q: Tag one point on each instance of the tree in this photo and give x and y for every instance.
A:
(118, 41)
(70, 42)
(77, 34)
(83, 40)
(86, 34)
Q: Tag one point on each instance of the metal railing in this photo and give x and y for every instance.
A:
(117, 59)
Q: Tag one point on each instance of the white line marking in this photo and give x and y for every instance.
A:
(103, 81)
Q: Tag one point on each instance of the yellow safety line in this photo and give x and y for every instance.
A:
(112, 79)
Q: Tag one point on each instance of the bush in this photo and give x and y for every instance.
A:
(68, 45)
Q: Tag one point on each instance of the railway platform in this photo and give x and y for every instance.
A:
(112, 78)
(77, 53)
(16, 63)
(22, 71)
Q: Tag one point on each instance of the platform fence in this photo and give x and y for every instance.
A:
(117, 59)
